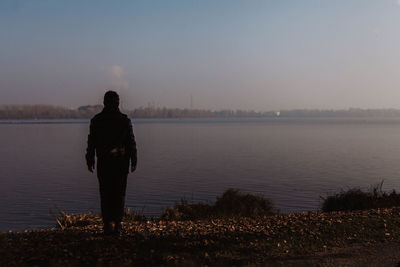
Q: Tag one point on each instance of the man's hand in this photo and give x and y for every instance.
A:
(90, 167)
(133, 168)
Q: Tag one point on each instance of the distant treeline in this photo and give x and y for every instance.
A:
(32, 112)
(347, 113)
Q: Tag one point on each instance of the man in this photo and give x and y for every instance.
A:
(111, 138)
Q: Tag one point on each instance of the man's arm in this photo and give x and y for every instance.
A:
(90, 150)
(132, 147)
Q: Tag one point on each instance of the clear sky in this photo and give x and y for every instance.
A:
(262, 55)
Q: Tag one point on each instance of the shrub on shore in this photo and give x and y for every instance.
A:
(356, 199)
(232, 204)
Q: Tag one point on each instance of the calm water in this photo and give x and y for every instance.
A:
(291, 161)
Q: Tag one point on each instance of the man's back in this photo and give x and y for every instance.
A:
(110, 130)
(111, 136)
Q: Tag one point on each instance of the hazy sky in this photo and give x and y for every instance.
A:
(262, 55)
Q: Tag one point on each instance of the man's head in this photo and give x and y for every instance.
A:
(111, 99)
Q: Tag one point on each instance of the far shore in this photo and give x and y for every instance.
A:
(50, 112)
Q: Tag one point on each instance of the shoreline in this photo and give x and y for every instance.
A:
(304, 238)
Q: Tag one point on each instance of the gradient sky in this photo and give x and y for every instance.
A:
(262, 55)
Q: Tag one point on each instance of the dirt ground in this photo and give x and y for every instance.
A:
(378, 255)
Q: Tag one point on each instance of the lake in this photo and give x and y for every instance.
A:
(291, 161)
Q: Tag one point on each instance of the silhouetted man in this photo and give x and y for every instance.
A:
(111, 138)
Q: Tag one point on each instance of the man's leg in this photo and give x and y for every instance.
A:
(119, 201)
(106, 204)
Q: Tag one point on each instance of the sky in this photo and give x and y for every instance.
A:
(227, 54)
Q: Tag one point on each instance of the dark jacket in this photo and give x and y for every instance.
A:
(111, 138)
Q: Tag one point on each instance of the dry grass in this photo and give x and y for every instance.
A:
(356, 199)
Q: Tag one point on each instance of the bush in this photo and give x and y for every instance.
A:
(356, 199)
(232, 204)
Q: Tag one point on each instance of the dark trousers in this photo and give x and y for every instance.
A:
(112, 175)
